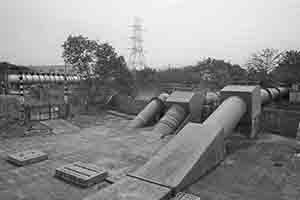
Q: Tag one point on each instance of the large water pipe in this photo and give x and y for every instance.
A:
(268, 94)
(171, 120)
(41, 78)
(229, 113)
(148, 114)
(188, 156)
(176, 114)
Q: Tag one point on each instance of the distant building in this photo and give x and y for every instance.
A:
(8, 67)
(53, 69)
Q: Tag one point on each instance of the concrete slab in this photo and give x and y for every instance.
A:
(188, 156)
(82, 174)
(132, 189)
(27, 157)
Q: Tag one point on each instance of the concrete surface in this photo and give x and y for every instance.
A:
(263, 170)
(132, 189)
(188, 156)
(58, 126)
(117, 151)
(267, 169)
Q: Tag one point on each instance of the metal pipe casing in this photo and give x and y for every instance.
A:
(269, 94)
(149, 113)
(42, 78)
(28, 78)
(274, 92)
(23, 76)
(61, 78)
(228, 114)
(283, 91)
(13, 78)
(52, 78)
(57, 79)
(35, 78)
(265, 95)
(47, 78)
(171, 120)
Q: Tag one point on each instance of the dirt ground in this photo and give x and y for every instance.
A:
(268, 168)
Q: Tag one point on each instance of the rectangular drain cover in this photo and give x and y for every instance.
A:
(82, 174)
(27, 157)
(185, 196)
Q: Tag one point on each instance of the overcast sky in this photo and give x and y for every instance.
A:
(178, 32)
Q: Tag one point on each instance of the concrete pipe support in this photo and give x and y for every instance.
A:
(228, 114)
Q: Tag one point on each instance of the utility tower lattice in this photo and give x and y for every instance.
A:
(137, 54)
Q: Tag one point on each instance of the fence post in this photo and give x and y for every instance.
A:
(22, 100)
(3, 88)
(66, 98)
(50, 111)
(298, 132)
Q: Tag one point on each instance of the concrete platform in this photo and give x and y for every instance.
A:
(188, 156)
(81, 174)
(131, 189)
(250, 171)
(107, 145)
(27, 157)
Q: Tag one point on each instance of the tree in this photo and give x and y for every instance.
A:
(112, 69)
(98, 64)
(80, 52)
(290, 57)
(288, 70)
(215, 73)
(261, 63)
(220, 73)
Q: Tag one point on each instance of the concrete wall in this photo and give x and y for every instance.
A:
(280, 121)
